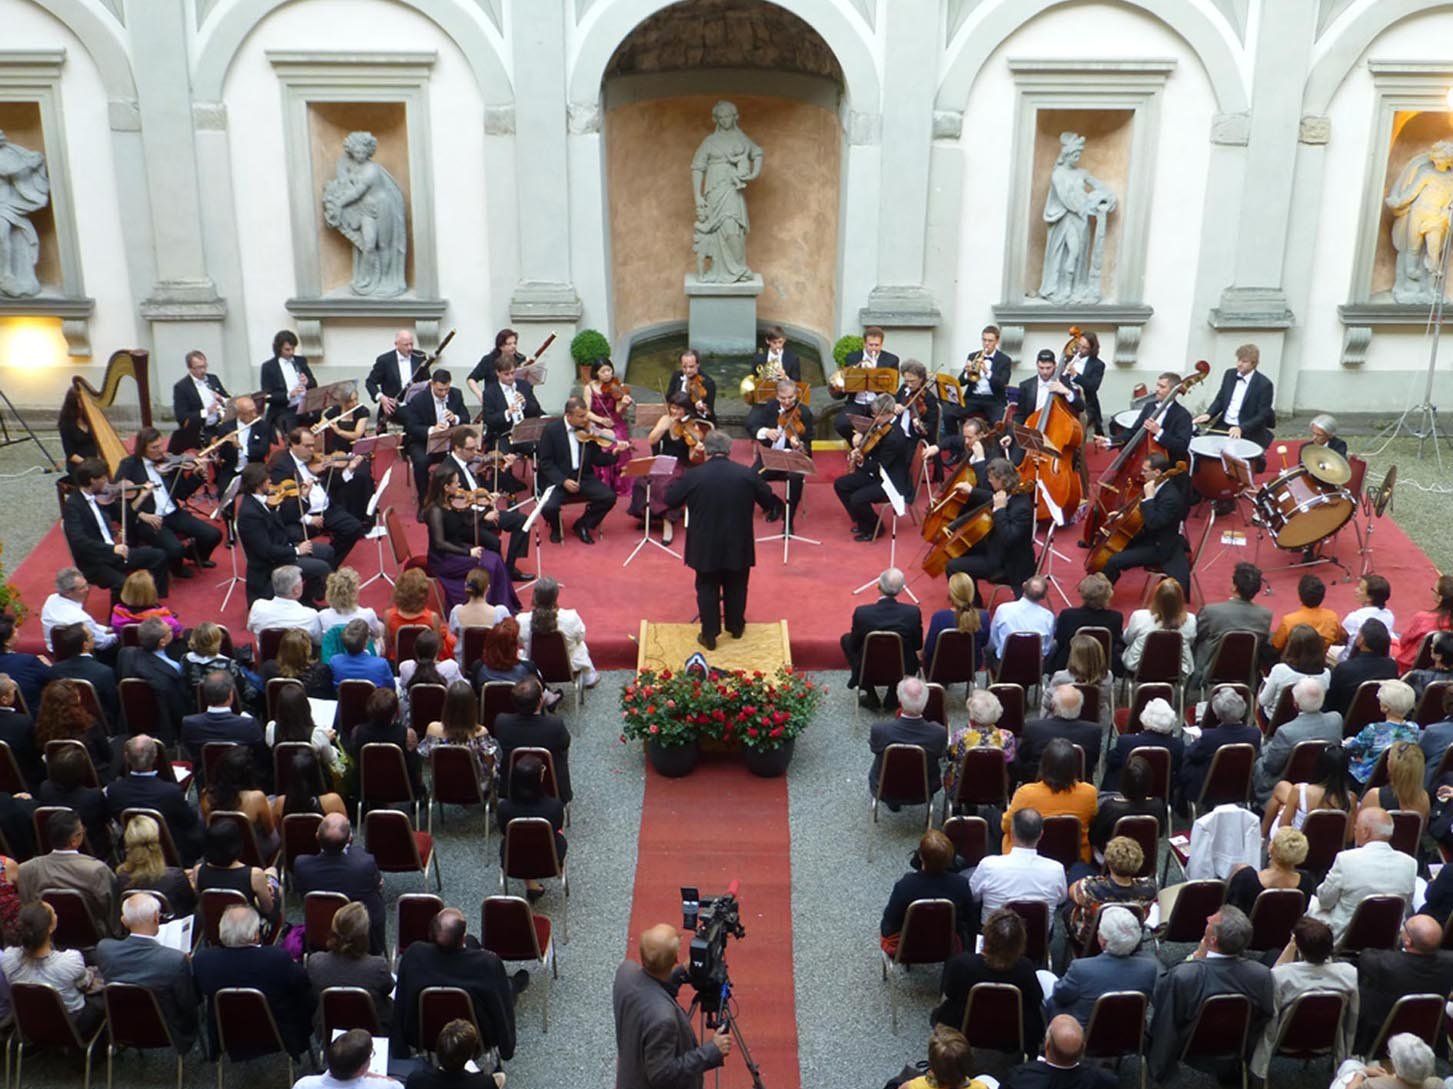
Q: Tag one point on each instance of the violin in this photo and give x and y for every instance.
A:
(875, 434)
(478, 497)
(696, 389)
(688, 430)
(185, 462)
(615, 389)
(791, 422)
(282, 491)
(124, 489)
(604, 439)
(321, 462)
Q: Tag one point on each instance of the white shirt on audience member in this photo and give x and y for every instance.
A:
(1022, 874)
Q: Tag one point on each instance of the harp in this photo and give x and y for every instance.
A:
(127, 363)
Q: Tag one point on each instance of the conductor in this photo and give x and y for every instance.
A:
(720, 548)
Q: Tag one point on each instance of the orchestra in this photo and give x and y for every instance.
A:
(433, 411)
(699, 387)
(680, 435)
(882, 449)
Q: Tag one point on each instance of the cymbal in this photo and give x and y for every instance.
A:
(1325, 464)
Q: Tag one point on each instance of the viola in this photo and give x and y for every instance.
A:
(696, 389)
(1120, 528)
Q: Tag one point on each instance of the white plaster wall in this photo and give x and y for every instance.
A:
(460, 175)
(1099, 32)
(93, 187)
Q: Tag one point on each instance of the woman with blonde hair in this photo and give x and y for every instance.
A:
(1404, 787)
(1121, 883)
(145, 869)
(341, 594)
(963, 614)
(411, 606)
(204, 655)
(1166, 612)
(1288, 850)
(138, 601)
(1085, 664)
(948, 1056)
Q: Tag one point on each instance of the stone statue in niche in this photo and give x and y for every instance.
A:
(24, 188)
(1420, 202)
(1076, 208)
(720, 170)
(366, 206)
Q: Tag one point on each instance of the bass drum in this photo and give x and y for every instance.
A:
(1299, 510)
(1208, 472)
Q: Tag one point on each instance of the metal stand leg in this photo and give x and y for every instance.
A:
(787, 536)
(646, 538)
(892, 561)
(378, 533)
(51, 465)
(1045, 567)
(229, 527)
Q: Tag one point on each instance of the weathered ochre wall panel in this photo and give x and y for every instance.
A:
(793, 207)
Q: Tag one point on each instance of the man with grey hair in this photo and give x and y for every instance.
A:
(1372, 868)
(720, 542)
(1066, 703)
(1229, 709)
(220, 723)
(68, 606)
(1028, 613)
(1412, 1063)
(151, 662)
(1157, 728)
(887, 614)
(1311, 724)
(285, 608)
(888, 461)
(909, 728)
(1117, 968)
(240, 961)
(142, 787)
(1215, 968)
(1020, 874)
(141, 959)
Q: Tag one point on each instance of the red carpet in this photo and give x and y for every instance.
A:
(813, 590)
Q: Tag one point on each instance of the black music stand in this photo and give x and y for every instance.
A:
(792, 462)
(653, 469)
(6, 439)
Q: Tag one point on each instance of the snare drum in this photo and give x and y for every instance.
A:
(1208, 473)
(1300, 510)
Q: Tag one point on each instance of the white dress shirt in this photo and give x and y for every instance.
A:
(210, 411)
(244, 434)
(406, 370)
(59, 611)
(982, 387)
(1221, 840)
(1232, 416)
(514, 402)
(1021, 615)
(160, 495)
(441, 407)
(866, 396)
(1041, 395)
(291, 378)
(1022, 874)
(464, 472)
(317, 495)
(284, 612)
(100, 519)
(574, 447)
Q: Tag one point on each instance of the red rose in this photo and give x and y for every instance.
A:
(655, 729)
(651, 710)
(780, 717)
(776, 732)
(765, 721)
(757, 673)
(670, 705)
(719, 715)
(750, 708)
(665, 674)
(630, 690)
(751, 731)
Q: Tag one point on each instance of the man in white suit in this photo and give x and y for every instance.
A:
(1372, 868)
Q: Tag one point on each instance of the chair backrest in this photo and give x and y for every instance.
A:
(134, 1017)
(1424, 660)
(903, 774)
(1363, 709)
(1302, 764)
(507, 928)
(1102, 636)
(1407, 831)
(1061, 839)
(953, 658)
(994, 1017)
(1160, 658)
(1144, 830)
(213, 903)
(1158, 757)
(251, 849)
(347, 1008)
(1089, 701)
(1037, 922)
(1144, 693)
(12, 781)
(1234, 658)
(283, 754)
(549, 784)
(1375, 924)
(1011, 698)
(456, 777)
(426, 705)
(1242, 689)
(404, 639)
(299, 837)
(1117, 1025)
(936, 708)
(494, 700)
(318, 911)
(882, 662)
(970, 837)
(75, 929)
(268, 641)
(472, 640)
(1284, 712)
(353, 697)
(273, 687)
(40, 822)
(164, 833)
(529, 850)
(1021, 661)
(983, 778)
(41, 1018)
(389, 835)
(92, 702)
(383, 774)
(928, 933)
(1420, 1014)
(1430, 705)
(1091, 945)
(1220, 1028)
(1273, 914)
(1312, 1025)
(551, 656)
(1197, 902)
(414, 912)
(245, 1026)
(212, 755)
(440, 1005)
(1228, 779)
(1326, 832)
(398, 540)
(52, 748)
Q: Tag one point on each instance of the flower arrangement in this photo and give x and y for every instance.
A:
(750, 709)
(10, 603)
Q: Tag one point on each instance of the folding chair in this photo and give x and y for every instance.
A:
(283, 754)
(472, 641)
(168, 846)
(251, 849)
(1012, 698)
(1061, 839)
(134, 1020)
(1234, 660)
(552, 658)
(1158, 757)
(549, 783)
(353, 697)
(1326, 831)
(404, 639)
(212, 904)
(1090, 947)
(246, 1029)
(1037, 924)
(994, 1018)
(398, 848)
(1420, 1014)
(1228, 779)
(1197, 902)
(1424, 660)
(511, 930)
(1363, 709)
(1208, 715)
(398, 541)
(1284, 712)
(970, 837)
(383, 778)
(268, 641)
(92, 702)
(881, 664)
(1089, 701)
(936, 709)
(1273, 914)
(347, 1008)
(1102, 636)
(11, 779)
(40, 822)
(318, 911)
(1127, 719)
(440, 1005)
(953, 659)
(494, 700)
(41, 1021)
(1430, 706)
(1407, 831)
(426, 705)
(52, 748)
(299, 837)
(903, 778)
(1302, 764)
(1022, 661)
(983, 779)
(413, 913)
(457, 780)
(1160, 663)
(273, 687)
(530, 855)
(927, 937)
(1375, 924)
(1220, 1031)
(1144, 830)
(75, 928)
(1311, 1026)
(1117, 1028)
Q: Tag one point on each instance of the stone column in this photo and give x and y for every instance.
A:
(544, 299)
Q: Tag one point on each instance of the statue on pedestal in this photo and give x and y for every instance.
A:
(24, 188)
(720, 170)
(1420, 203)
(1075, 208)
(365, 205)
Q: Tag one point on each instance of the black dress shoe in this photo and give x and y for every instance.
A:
(520, 980)
(869, 699)
(516, 575)
(555, 537)
(774, 515)
(860, 535)
(583, 533)
(736, 633)
(182, 573)
(708, 641)
(207, 563)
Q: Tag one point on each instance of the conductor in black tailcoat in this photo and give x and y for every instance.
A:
(718, 496)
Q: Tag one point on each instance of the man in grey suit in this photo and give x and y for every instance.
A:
(1311, 724)
(1372, 868)
(654, 1042)
(1238, 613)
(66, 868)
(1117, 968)
(142, 960)
(1215, 968)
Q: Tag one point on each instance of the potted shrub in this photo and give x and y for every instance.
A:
(845, 347)
(657, 710)
(779, 709)
(586, 347)
(10, 603)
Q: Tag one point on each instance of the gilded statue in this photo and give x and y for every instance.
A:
(720, 170)
(366, 206)
(1076, 208)
(1420, 203)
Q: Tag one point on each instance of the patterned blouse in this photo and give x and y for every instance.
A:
(1364, 750)
(971, 737)
(1102, 889)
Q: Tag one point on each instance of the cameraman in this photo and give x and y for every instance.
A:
(655, 1047)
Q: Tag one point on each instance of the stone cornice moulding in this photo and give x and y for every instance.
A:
(1102, 73)
(1126, 319)
(307, 67)
(33, 63)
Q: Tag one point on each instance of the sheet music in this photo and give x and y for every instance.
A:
(895, 497)
(535, 514)
(378, 492)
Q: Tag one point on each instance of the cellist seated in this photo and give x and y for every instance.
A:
(1159, 543)
(1006, 554)
(975, 443)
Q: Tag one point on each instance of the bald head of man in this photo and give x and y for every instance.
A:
(1422, 935)
(659, 949)
(1064, 1041)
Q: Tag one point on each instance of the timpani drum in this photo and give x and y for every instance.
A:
(1299, 510)
(1122, 423)
(1208, 472)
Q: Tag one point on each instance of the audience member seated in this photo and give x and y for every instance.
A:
(1060, 1068)
(1239, 612)
(68, 606)
(295, 661)
(381, 725)
(222, 868)
(143, 788)
(285, 609)
(447, 959)
(908, 728)
(1287, 851)
(1066, 702)
(1416, 966)
(1311, 592)
(63, 717)
(1020, 873)
(1134, 799)
(1027, 614)
(885, 614)
(1435, 740)
(501, 656)
(1228, 708)
(220, 723)
(152, 663)
(1404, 788)
(1410, 1065)
(300, 792)
(17, 729)
(1216, 967)
(242, 961)
(10, 872)
(65, 785)
(1328, 788)
(1085, 665)
(425, 667)
(963, 614)
(1372, 594)
(351, 960)
(527, 798)
(1371, 868)
(1311, 724)
(545, 615)
(294, 722)
(934, 879)
(231, 788)
(1302, 656)
(205, 656)
(459, 725)
(1117, 967)
(1157, 728)
(37, 960)
(65, 867)
(1395, 700)
(457, 1047)
(145, 867)
(29, 671)
(343, 866)
(411, 606)
(1121, 883)
(1368, 661)
(474, 611)
(1423, 623)
(1306, 965)
(76, 660)
(347, 1062)
(138, 601)
(1000, 959)
(341, 594)
(142, 960)
(949, 1056)
(1093, 611)
(1058, 790)
(1167, 612)
(985, 711)
(355, 663)
(1440, 652)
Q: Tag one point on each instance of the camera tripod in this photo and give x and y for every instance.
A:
(723, 1016)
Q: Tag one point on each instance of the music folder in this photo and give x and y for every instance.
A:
(528, 431)
(320, 397)
(439, 441)
(870, 379)
(374, 444)
(658, 466)
(786, 461)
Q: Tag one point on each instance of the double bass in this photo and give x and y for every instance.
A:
(1120, 528)
(1060, 427)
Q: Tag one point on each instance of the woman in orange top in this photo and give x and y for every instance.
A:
(411, 606)
(1058, 790)
(1423, 624)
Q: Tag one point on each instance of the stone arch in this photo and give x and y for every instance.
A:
(967, 54)
(1335, 62)
(229, 25)
(606, 26)
(100, 34)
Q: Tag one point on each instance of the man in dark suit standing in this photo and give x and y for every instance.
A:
(75, 659)
(240, 961)
(655, 1044)
(92, 529)
(285, 378)
(197, 402)
(1160, 542)
(220, 723)
(1164, 419)
(1416, 966)
(507, 402)
(1243, 405)
(764, 424)
(151, 663)
(267, 544)
(447, 960)
(141, 960)
(568, 464)
(1064, 1046)
(530, 726)
(433, 411)
(1006, 554)
(885, 614)
(142, 788)
(985, 382)
(1066, 703)
(1086, 370)
(909, 727)
(250, 447)
(704, 407)
(776, 356)
(718, 496)
(862, 403)
(343, 866)
(392, 373)
(162, 515)
(858, 490)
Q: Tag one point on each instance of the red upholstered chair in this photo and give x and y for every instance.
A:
(1022, 661)
(511, 930)
(1158, 757)
(283, 754)
(414, 911)
(398, 541)
(440, 1005)
(983, 779)
(398, 848)
(212, 754)
(1197, 902)
(246, 1029)
(92, 702)
(164, 834)
(903, 778)
(457, 781)
(1326, 831)
(953, 659)
(1037, 923)
(404, 639)
(426, 705)
(881, 663)
(928, 936)
(251, 849)
(1302, 764)
(1310, 1027)
(936, 709)
(90, 779)
(1090, 701)
(1011, 697)
(75, 928)
(347, 1008)
(1407, 831)
(494, 700)
(994, 1018)
(1234, 660)
(1363, 709)
(1208, 716)
(970, 837)
(134, 1020)
(299, 837)
(268, 641)
(40, 822)
(1127, 719)
(213, 903)
(1220, 1031)
(11, 780)
(1284, 712)
(1420, 1014)
(1091, 945)
(1430, 705)
(1117, 1028)
(1160, 662)
(551, 655)
(273, 687)
(318, 911)
(1228, 779)
(41, 1021)
(1273, 914)
(1144, 830)
(353, 697)
(1375, 924)
(472, 638)
(1061, 839)
(383, 778)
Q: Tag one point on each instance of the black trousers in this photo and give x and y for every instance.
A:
(600, 497)
(343, 529)
(988, 567)
(511, 522)
(183, 523)
(423, 461)
(1146, 555)
(843, 425)
(794, 486)
(138, 558)
(316, 567)
(857, 492)
(721, 597)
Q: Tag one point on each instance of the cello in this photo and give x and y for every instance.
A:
(961, 535)
(1063, 433)
(1123, 475)
(1120, 528)
(950, 505)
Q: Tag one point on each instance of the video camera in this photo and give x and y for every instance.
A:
(711, 922)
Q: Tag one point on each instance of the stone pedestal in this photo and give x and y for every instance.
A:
(722, 318)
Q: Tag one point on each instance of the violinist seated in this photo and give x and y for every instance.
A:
(776, 360)
(431, 412)
(917, 411)
(1034, 393)
(1006, 554)
(249, 440)
(91, 520)
(883, 446)
(163, 519)
(1163, 508)
(1171, 429)
(268, 545)
(460, 540)
(861, 403)
(470, 472)
(1324, 433)
(699, 387)
(198, 401)
(321, 481)
(507, 403)
(985, 382)
(783, 424)
(679, 435)
(568, 455)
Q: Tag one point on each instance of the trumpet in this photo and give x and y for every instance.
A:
(974, 369)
